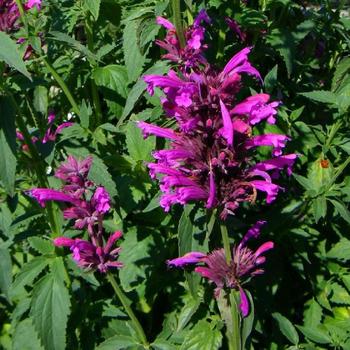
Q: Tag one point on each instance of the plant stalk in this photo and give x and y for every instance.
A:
(138, 328)
(176, 6)
(22, 14)
(63, 86)
(94, 90)
(234, 334)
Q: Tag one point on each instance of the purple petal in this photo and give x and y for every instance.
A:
(149, 129)
(189, 258)
(212, 191)
(202, 16)
(165, 23)
(236, 60)
(253, 232)
(270, 189)
(264, 248)
(63, 242)
(227, 133)
(43, 195)
(244, 304)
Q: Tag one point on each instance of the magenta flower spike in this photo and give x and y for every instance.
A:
(245, 263)
(91, 257)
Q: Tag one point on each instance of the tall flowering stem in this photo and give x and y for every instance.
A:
(137, 326)
(176, 6)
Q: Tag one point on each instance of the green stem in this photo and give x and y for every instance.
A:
(176, 6)
(22, 14)
(38, 166)
(225, 241)
(63, 86)
(221, 44)
(124, 301)
(234, 334)
(94, 91)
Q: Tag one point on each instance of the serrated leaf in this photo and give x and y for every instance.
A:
(100, 175)
(287, 328)
(321, 96)
(341, 209)
(134, 254)
(190, 307)
(41, 245)
(340, 251)
(283, 41)
(305, 182)
(162, 344)
(113, 77)
(118, 342)
(313, 315)
(40, 101)
(29, 272)
(49, 310)
(76, 45)
(339, 295)
(5, 271)
(340, 73)
(315, 334)
(25, 337)
(10, 55)
(203, 337)
(93, 6)
(134, 60)
(270, 80)
(139, 148)
(319, 206)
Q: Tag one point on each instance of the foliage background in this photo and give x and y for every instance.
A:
(101, 48)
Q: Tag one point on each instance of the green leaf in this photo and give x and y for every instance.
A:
(341, 209)
(339, 295)
(305, 182)
(118, 342)
(8, 159)
(76, 45)
(202, 336)
(303, 29)
(315, 334)
(9, 54)
(270, 80)
(287, 328)
(85, 114)
(282, 40)
(319, 206)
(248, 322)
(100, 175)
(340, 251)
(5, 271)
(41, 99)
(41, 245)
(321, 96)
(313, 315)
(162, 344)
(135, 255)
(25, 337)
(113, 77)
(189, 309)
(138, 148)
(342, 68)
(93, 6)
(134, 60)
(29, 272)
(49, 310)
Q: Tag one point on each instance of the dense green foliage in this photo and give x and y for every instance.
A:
(88, 59)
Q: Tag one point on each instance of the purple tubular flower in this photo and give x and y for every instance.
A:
(91, 257)
(236, 29)
(74, 171)
(43, 195)
(189, 258)
(165, 23)
(101, 200)
(211, 155)
(149, 129)
(245, 263)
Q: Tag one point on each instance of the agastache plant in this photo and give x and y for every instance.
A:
(211, 149)
(245, 263)
(87, 205)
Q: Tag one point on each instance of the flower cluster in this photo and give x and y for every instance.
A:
(191, 54)
(231, 274)
(50, 134)
(86, 205)
(9, 13)
(211, 153)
